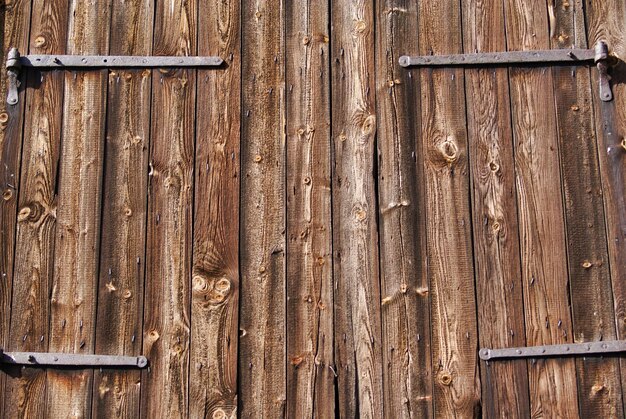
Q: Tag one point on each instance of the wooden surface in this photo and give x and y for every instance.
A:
(310, 374)
(311, 230)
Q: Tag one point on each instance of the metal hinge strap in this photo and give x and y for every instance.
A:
(71, 360)
(568, 349)
(15, 62)
(598, 55)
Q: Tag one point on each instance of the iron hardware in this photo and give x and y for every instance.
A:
(72, 360)
(587, 348)
(598, 55)
(15, 62)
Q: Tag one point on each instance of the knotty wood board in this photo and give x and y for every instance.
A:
(310, 361)
(262, 353)
(123, 241)
(215, 272)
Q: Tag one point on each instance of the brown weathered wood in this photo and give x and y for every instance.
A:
(407, 368)
(30, 312)
(165, 385)
(605, 21)
(358, 336)
(552, 383)
(262, 359)
(450, 268)
(121, 279)
(75, 279)
(588, 262)
(215, 280)
(310, 361)
(494, 214)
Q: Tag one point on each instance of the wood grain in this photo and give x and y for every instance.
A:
(34, 265)
(448, 229)
(407, 368)
(215, 280)
(358, 335)
(15, 20)
(262, 359)
(122, 254)
(588, 262)
(310, 361)
(552, 383)
(166, 340)
(494, 214)
(605, 21)
(75, 279)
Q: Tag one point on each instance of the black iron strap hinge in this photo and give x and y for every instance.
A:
(48, 359)
(15, 62)
(568, 349)
(598, 55)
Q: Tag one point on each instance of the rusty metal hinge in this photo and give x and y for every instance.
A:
(575, 56)
(15, 62)
(568, 349)
(71, 360)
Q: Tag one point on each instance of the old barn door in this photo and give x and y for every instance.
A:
(128, 180)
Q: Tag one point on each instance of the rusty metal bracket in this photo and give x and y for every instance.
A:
(598, 55)
(71, 360)
(15, 63)
(569, 349)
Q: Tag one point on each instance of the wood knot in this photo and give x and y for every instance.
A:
(210, 290)
(128, 212)
(369, 125)
(360, 27)
(4, 117)
(297, 360)
(7, 194)
(306, 40)
(449, 150)
(494, 167)
(359, 214)
(258, 158)
(127, 294)
(40, 41)
(445, 378)
(307, 180)
(586, 264)
(31, 213)
(153, 335)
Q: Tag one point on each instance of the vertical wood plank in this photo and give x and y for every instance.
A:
(407, 368)
(310, 376)
(450, 264)
(34, 265)
(215, 283)
(165, 391)
(262, 360)
(494, 213)
(552, 382)
(75, 279)
(358, 336)
(605, 21)
(588, 262)
(121, 278)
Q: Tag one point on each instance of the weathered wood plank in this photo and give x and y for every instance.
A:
(310, 376)
(588, 262)
(450, 265)
(262, 362)
(121, 279)
(165, 391)
(552, 383)
(215, 283)
(75, 279)
(358, 335)
(407, 368)
(15, 23)
(34, 265)
(605, 21)
(494, 214)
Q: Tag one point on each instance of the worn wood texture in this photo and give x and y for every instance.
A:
(358, 335)
(26, 393)
(605, 21)
(15, 22)
(450, 269)
(599, 384)
(215, 275)
(75, 279)
(494, 214)
(552, 383)
(165, 391)
(310, 361)
(122, 254)
(407, 368)
(262, 359)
